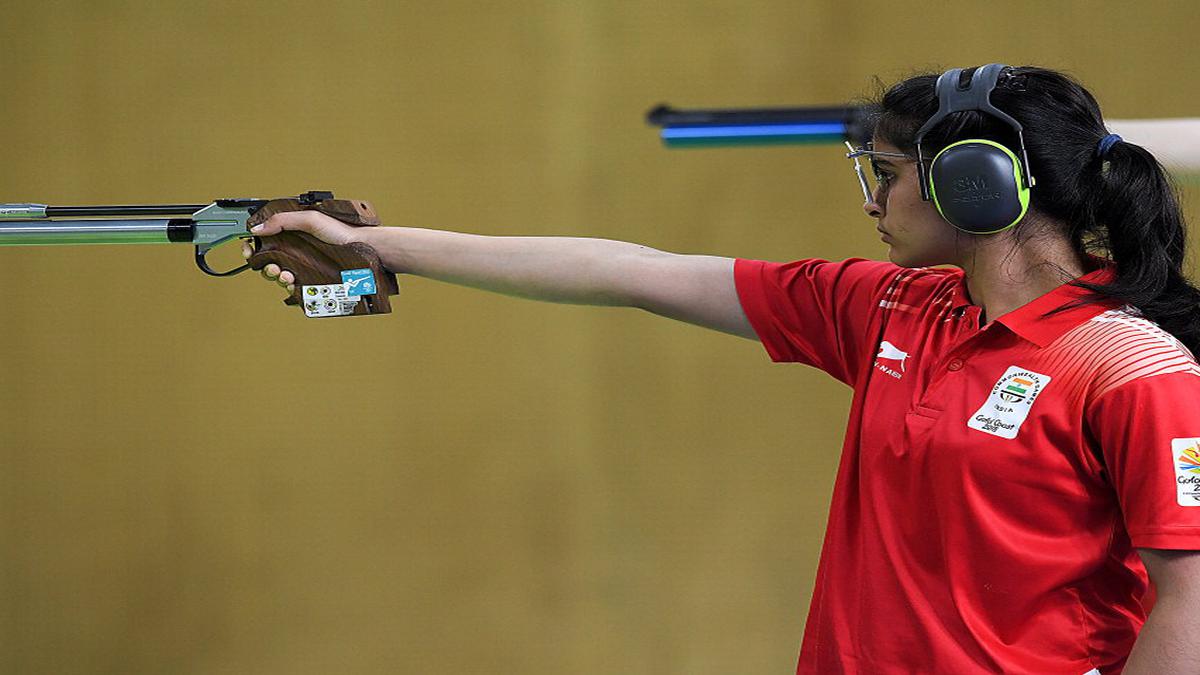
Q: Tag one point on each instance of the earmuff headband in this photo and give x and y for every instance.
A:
(954, 97)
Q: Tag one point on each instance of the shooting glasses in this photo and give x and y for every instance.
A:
(878, 177)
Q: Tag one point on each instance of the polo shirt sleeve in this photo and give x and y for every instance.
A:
(814, 311)
(1148, 431)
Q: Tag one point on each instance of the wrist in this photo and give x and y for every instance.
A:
(383, 240)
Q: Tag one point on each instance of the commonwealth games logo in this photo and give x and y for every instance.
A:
(1009, 402)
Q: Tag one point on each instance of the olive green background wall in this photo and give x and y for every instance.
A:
(196, 479)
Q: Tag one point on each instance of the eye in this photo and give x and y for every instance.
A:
(881, 175)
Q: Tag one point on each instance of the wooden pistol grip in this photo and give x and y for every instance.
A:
(315, 262)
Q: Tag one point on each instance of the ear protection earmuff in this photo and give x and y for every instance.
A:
(979, 186)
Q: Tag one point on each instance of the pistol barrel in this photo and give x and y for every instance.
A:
(137, 231)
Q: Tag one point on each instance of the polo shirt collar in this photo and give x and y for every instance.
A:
(1029, 320)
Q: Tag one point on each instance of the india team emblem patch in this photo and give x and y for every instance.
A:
(1006, 408)
(1185, 455)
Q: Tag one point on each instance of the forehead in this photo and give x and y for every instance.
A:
(882, 145)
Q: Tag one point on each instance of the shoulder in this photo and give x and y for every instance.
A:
(854, 283)
(922, 289)
(1119, 347)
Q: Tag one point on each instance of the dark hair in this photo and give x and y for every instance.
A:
(1122, 206)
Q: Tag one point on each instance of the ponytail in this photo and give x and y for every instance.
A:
(1135, 210)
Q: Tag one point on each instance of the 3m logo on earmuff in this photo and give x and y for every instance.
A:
(973, 189)
(970, 183)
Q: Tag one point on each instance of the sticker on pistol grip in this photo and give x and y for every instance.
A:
(327, 300)
(358, 282)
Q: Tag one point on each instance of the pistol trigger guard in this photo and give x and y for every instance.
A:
(203, 265)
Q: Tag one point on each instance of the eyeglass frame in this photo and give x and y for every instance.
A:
(855, 153)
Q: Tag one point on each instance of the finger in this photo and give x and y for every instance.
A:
(303, 221)
(271, 271)
(287, 277)
(246, 250)
(291, 288)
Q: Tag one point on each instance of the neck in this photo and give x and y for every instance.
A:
(1003, 275)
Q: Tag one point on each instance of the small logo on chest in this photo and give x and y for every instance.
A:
(889, 352)
(895, 358)
(1007, 406)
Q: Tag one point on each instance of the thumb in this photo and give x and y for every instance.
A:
(319, 225)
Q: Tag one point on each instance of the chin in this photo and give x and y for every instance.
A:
(898, 258)
(911, 259)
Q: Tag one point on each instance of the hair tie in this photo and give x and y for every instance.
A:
(1106, 144)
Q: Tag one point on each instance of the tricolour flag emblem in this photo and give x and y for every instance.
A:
(1016, 390)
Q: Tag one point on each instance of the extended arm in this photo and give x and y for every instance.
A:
(693, 288)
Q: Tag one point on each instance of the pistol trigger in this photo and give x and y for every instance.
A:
(203, 265)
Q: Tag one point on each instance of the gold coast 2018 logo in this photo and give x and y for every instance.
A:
(1189, 459)
(1185, 455)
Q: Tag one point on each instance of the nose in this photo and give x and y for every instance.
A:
(873, 208)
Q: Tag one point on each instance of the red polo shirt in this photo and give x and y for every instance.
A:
(995, 481)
